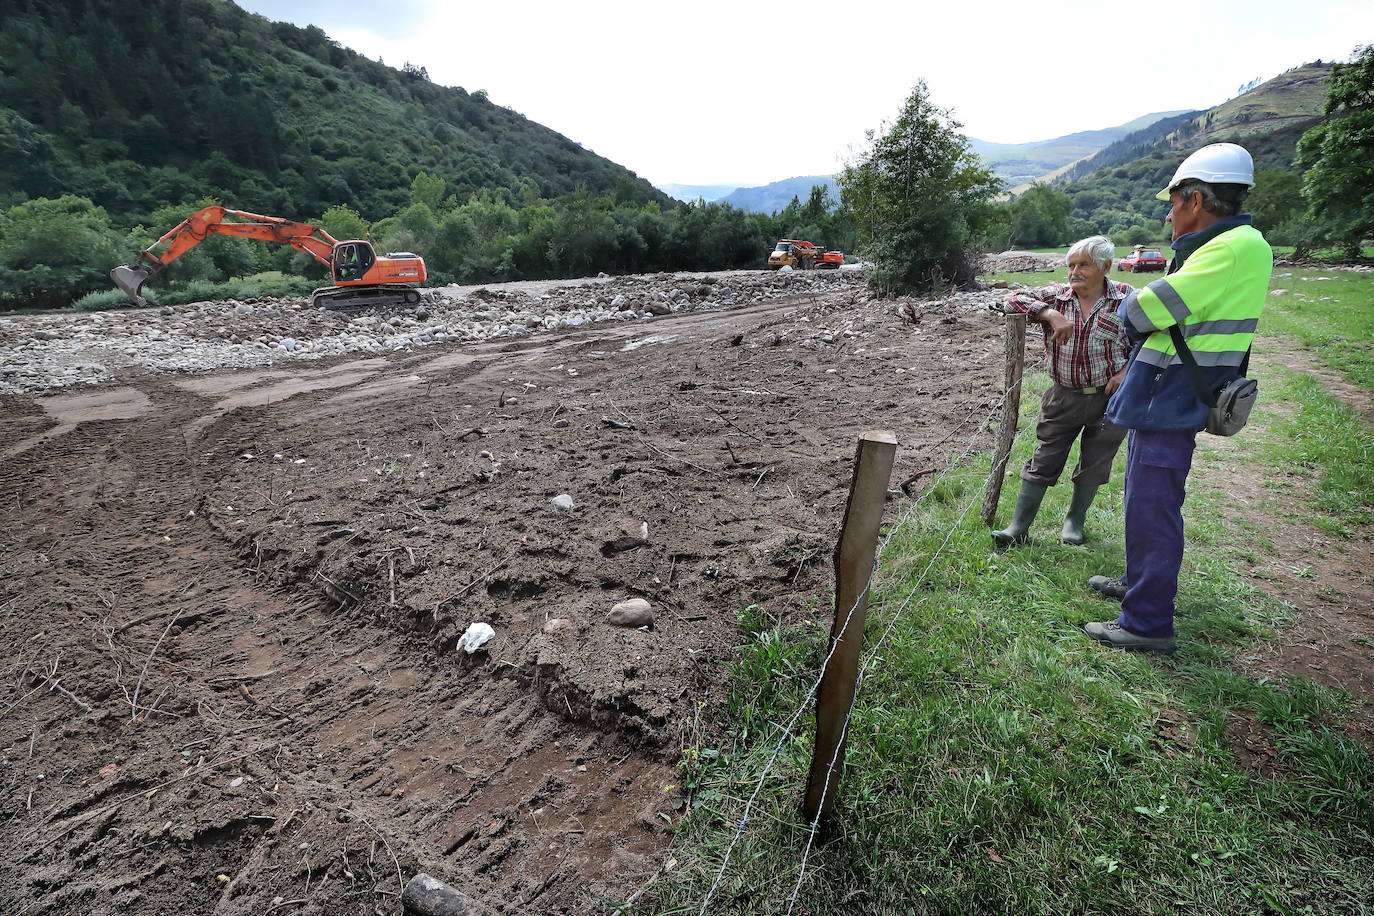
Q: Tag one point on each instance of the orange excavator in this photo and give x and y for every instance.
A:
(361, 277)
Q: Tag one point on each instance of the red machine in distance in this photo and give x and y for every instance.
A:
(361, 277)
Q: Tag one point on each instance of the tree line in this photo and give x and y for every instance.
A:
(56, 251)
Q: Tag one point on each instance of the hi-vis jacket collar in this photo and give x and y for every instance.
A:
(1185, 245)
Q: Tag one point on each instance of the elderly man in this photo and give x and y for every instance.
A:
(1087, 349)
(1213, 293)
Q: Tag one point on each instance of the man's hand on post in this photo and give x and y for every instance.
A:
(1060, 329)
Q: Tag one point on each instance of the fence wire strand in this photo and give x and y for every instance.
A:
(965, 452)
(871, 656)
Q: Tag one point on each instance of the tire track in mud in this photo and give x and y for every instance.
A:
(305, 751)
(283, 668)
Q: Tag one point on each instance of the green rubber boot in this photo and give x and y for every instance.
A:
(1027, 504)
(1078, 513)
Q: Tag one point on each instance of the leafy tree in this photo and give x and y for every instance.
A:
(343, 222)
(818, 203)
(1337, 155)
(54, 250)
(1041, 217)
(428, 190)
(452, 250)
(1276, 198)
(913, 194)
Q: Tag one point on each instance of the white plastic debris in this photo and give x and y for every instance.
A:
(475, 637)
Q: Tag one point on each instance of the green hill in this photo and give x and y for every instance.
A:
(1114, 189)
(137, 105)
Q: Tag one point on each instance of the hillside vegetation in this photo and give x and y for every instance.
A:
(136, 105)
(1113, 191)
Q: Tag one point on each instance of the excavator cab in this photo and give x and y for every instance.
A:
(352, 261)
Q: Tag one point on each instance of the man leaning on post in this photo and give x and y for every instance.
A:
(1087, 349)
(1214, 292)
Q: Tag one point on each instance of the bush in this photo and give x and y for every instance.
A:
(103, 299)
(270, 283)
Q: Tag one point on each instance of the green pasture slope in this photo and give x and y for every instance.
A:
(1000, 762)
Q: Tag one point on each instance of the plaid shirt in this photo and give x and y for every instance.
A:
(1086, 360)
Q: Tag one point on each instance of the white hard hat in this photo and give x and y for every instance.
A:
(1219, 163)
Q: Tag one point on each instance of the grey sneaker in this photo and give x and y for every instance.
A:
(1108, 588)
(1111, 633)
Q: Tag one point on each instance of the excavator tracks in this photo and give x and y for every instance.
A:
(346, 298)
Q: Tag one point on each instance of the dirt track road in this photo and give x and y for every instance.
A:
(230, 602)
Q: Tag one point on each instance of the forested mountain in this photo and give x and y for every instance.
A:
(139, 104)
(1114, 190)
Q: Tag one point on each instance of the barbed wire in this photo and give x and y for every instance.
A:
(910, 513)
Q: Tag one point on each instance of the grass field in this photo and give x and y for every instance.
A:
(1001, 762)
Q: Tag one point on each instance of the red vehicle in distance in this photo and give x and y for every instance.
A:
(830, 260)
(1143, 260)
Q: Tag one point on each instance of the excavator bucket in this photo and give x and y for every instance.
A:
(130, 280)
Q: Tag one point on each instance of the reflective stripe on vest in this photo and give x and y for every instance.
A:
(1216, 299)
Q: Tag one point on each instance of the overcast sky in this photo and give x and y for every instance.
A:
(746, 93)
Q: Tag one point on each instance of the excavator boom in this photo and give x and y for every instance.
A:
(209, 221)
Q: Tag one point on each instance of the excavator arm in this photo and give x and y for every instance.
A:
(216, 220)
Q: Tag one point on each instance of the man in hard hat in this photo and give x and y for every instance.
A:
(1087, 347)
(1214, 292)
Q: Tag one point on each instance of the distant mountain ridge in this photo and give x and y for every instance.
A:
(1021, 163)
(1015, 163)
(771, 198)
(692, 192)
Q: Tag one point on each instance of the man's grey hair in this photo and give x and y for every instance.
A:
(1217, 199)
(1097, 247)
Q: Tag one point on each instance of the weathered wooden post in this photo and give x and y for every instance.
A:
(854, 560)
(1015, 348)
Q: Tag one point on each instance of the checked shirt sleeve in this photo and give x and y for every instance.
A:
(1193, 291)
(1034, 302)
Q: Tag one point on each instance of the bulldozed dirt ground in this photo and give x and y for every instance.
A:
(230, 601)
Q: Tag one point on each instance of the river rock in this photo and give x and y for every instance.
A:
(428, 896)
(632, 614)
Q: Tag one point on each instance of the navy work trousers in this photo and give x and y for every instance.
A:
(1157, 465)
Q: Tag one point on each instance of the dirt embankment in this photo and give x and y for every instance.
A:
(231, 600)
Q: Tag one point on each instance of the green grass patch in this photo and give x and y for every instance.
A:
(1329, 312)
(999, 761)
(1322, 438)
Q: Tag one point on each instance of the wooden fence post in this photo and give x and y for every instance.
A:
(854, 561)
(1015, 348)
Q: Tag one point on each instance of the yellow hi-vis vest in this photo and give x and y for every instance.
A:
(1215, 299)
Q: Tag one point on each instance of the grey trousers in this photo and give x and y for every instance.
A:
(1064, 415)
